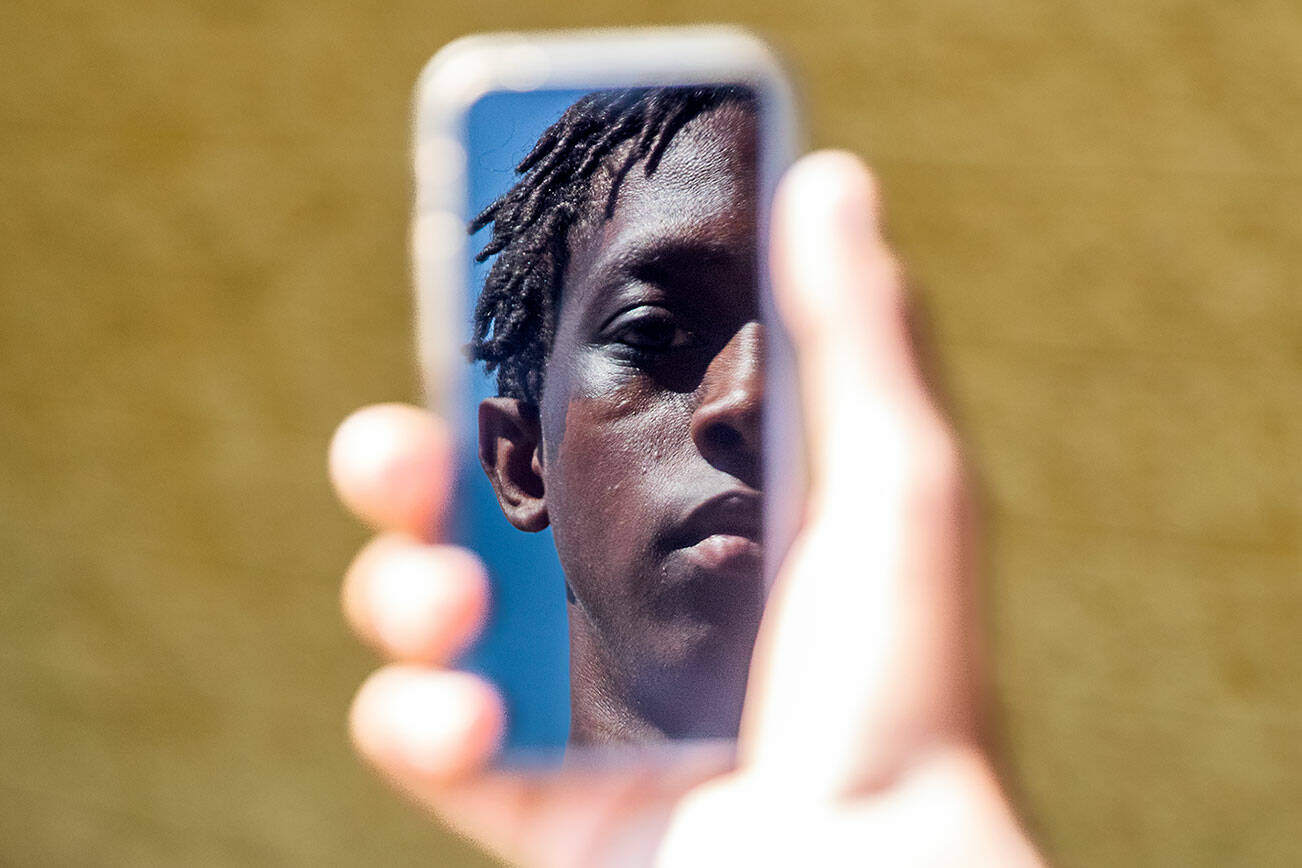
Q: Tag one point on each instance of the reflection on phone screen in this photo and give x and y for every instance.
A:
(615, 486)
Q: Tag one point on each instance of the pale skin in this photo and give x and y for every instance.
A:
(861, 740)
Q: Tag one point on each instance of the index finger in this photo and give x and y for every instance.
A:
(392, 467)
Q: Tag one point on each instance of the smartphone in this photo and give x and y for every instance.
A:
(594, 318)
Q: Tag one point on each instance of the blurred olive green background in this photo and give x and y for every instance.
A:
(203, 213)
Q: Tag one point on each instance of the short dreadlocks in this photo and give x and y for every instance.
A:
(515, 317)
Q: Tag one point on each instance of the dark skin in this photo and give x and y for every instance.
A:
(644, 453)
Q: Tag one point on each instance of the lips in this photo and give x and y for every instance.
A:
(724, 534)
(722, 552)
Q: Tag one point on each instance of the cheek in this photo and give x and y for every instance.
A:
(617, 424)
(618, 442)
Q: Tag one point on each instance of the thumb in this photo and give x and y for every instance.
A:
(864, 657)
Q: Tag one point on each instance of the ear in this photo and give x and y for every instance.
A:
(510, 450)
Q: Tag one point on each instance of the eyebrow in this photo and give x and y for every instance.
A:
(657, 257)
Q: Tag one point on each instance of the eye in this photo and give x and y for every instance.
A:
(649, 330)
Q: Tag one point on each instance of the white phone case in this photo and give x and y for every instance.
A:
(452, 84)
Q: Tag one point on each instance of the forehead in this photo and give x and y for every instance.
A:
(709, 166)
(700, 197)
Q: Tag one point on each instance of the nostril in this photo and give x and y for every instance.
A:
(724, 437)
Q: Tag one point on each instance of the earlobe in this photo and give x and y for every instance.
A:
(510, 439)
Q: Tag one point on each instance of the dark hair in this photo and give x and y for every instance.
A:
(515, 317)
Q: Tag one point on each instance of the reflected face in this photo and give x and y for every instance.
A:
(650, 419)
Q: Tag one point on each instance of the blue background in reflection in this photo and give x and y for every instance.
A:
(525, 649)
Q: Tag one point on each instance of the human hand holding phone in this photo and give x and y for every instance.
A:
(861, 738)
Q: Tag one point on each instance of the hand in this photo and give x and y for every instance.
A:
(861, 740)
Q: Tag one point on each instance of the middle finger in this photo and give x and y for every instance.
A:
(413, 601)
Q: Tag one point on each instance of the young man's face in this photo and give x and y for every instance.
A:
(650, 419)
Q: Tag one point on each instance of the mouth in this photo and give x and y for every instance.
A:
(724, 534)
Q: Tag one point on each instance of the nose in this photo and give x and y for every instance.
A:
(726, 423)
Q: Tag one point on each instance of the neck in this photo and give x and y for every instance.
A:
(600, 710)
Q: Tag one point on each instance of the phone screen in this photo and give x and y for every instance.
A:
(615, 338)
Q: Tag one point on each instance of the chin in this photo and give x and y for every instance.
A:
(696, 684)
